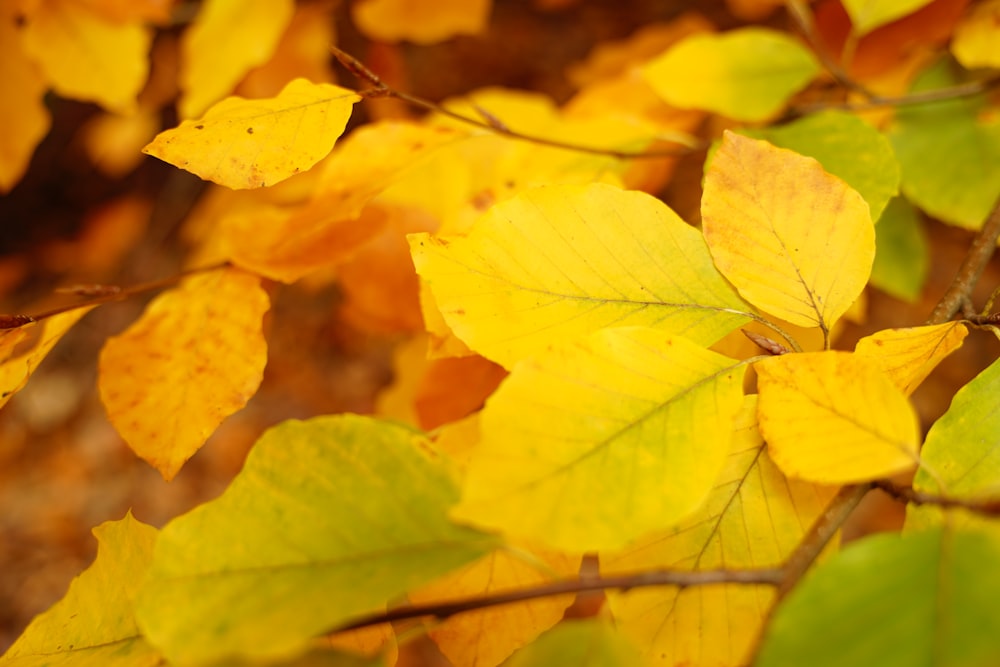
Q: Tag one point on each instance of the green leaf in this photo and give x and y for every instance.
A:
(949, 152)
(902, 255)
(581, 643)
(745, 74)
(93, 624)
(927, 598)
(866, 15)
(559, 262)
(595, 443)
(847, 147)
(330, 518)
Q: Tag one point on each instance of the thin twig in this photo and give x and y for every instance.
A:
(975, 262)
(624, 582)
(494, 124)
(987, 507)
(923, 97)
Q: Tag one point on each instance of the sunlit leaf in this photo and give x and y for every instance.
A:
(93, 624)
(846, 147)
(195, 357)
(902, 253)
(600, 256)
(373, 640)
(949, 151)
(224, 41)
(745, 74)
(288, 551)
(17, 364)
(975, 41)
(866, 15)
(753, 517)
(487, 637)
(909, 355)
(891, 600)
(86, 56)
(835, 418)
(593, 444)
(796, 241)
(244, 143)
(581, 643)
(420, 21)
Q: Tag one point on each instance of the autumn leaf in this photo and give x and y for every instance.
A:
(486, 637)
(974, 44)
(835, 418)
(593, 444)
(902, 252)
(866, 15)
(796, 241)
(17, 365)
(754, 516)
(195, 357)
(909, 355)
(87, 56)
(893, 600)
(602, 257)
(226, 39)
(93, 624)
(746, 74)
(244, 143)
(420, 21)
(583, 643)
(253, 584)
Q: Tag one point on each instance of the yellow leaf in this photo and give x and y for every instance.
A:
(796, 241)
(88, 57)
(420, 21)
(976, 37)
(593, 444)
(753, 517)
(244, 143)
(375, 640)
(866, 15)
(600, 257)
(41, 337)
(27, 120)
(909, 355)
(835, 418)
(745, 74)
(195, 357)
(226, 39)
(485, 638)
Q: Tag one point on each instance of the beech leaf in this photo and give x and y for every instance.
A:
(796, 241)
(289, 552)
(581, 643)
(601, 257)
(835, 418)
(909, 355)
(241, 143)
(420, 21)
(866, 15)
(975, 40)
(195, 357)
(593, 444)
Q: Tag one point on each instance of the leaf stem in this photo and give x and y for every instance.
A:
(623, 582)
(975, 262)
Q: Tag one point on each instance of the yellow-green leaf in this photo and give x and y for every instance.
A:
(600, 256)
(745, 74)
(835, 418)
(330, 518)
(909, 355)
(975, 41)
(753, 517)
(581, 643)
(795, 240)
(93, 624)
(866, 15)
(226, 39)
(243, 143)
(195, 357)
(593, 444)
(902, 253)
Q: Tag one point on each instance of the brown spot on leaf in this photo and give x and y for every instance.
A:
(199, 127)
(249, 130)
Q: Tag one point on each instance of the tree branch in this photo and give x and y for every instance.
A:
(982, 249)
(987, 507)
(624, 582)
(938, 95)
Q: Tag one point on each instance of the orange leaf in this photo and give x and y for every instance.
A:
(420, 21)
(195, 357)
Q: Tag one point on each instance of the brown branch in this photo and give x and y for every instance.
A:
(923, 97)
(491, 122)
(906, 494)
(960, 291)
(623, 582)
